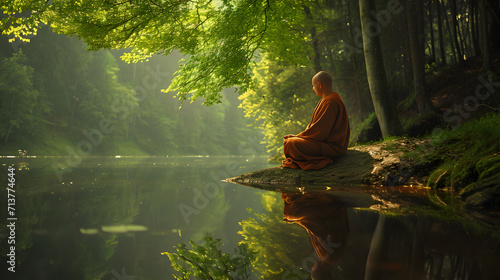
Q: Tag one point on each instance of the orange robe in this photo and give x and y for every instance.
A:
(326, 136)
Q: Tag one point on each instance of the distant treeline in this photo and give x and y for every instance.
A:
(57, 97)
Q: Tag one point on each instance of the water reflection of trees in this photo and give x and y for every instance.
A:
(48, 242)
(379, 246)
(423, 248)
(280, 246)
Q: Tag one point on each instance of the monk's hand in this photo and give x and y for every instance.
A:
(288, 136)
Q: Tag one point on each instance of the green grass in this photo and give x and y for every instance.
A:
(464, 155)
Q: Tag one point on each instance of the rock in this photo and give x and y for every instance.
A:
(369, 132)
(354, 180)
(354, 168)
(484, 194)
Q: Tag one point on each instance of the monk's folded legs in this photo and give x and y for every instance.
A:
(301, 149)
(304, 154)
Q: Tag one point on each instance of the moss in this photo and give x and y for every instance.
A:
(392, 144)
(460, 156)
(488, 166)
(437, 179)
(422, 124)
(366, 131)
(407, 104)
(350, 169)
(484, 194)
(489, 176)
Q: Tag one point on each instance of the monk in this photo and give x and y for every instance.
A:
(326, 136)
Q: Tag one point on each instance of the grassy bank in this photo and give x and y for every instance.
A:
(465, 160)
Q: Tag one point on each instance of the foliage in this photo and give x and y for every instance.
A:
(280, 101)
(280, 97)
(365, 131)
(22, 106)
(220, 38)
(206, 261)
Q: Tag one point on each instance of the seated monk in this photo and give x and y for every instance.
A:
(326, 136)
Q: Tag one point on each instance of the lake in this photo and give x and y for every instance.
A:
(112, 217)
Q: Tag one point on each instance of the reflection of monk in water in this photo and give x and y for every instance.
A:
(326, 223)
(327, 134)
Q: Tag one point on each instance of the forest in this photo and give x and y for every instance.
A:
(200, 77)
(392, 63)
(55, 94)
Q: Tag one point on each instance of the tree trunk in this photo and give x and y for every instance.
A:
(468, 33)
(420, 16)
(375, 71)
(417, 58)
(454, 23)
(453, 48)
(461, 38)
(486, 42)
(362, 106)
(440, 32)
(473, 27)
(431, 32)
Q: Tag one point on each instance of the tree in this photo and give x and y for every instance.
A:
(456, 31)
(440, 32)
(417, 59)
(22, 106)
(220, 39)
(375, 71)
(486, 41)
(280, 101)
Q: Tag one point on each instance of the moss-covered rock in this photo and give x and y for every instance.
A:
(354, 168)
(488, 166)
(437, 179)
(483, 195)
(368, 130)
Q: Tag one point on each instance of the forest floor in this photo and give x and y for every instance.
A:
(458, 94)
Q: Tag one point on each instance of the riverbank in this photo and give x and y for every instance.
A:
(464, 162)
(63, 144)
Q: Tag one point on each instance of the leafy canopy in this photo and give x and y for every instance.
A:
(221, 39)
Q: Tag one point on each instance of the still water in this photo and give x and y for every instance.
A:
(111, 218)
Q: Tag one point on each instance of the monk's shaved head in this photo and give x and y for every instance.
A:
(324, 78)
